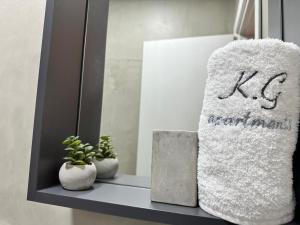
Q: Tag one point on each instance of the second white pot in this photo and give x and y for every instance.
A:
(106, 168)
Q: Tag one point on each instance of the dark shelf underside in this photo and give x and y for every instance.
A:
(119, 198)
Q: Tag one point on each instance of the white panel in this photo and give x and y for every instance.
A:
(173, 81)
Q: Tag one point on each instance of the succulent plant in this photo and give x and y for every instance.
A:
(78, 153)
(105, 148)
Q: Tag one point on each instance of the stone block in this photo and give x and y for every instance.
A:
(174, 167)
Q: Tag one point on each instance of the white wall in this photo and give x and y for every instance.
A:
(173, 82)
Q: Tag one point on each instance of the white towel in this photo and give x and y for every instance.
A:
(248, 132)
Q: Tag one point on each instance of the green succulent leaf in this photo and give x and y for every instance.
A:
(89, 148)
(99, 156)
(79, 162)
(91, 154)
(69, 159)
(78, 153)
(89, 159)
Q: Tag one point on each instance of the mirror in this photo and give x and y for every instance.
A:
(155, 70)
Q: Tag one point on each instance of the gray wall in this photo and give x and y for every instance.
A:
(131, 22)
(21, 24)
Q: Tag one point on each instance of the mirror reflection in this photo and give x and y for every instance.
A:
(155, 70)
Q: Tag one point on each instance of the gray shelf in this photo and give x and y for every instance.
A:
(128, 201)
(128, 180)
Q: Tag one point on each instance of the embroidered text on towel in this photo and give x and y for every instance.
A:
(248, 122)
(239, 83)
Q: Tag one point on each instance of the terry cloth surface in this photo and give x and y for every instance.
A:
(248, 132)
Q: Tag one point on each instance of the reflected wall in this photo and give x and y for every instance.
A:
(130, 23)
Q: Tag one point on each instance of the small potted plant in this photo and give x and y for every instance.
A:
(106, 160)
(78, 172)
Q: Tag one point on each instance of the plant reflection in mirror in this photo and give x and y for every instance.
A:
(105, 148)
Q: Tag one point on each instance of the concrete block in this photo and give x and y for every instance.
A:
(174, 167)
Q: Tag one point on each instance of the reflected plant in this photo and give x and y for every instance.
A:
(105, 148)
(78, 153)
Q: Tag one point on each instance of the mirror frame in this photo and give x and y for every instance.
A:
(60, 69)
(69, 86)
(69, 94)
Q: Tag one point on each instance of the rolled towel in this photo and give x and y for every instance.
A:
(248, 132)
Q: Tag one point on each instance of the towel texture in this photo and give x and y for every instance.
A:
(248, 132)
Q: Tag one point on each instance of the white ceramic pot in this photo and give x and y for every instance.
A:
(77, 177)
(106, 168)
